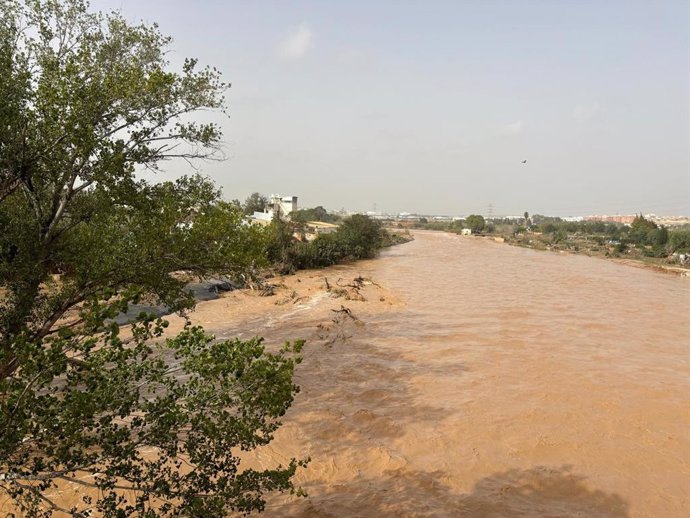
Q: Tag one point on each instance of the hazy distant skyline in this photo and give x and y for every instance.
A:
(430, 107)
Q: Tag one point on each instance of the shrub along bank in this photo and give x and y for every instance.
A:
(357, 237)
(642, 240)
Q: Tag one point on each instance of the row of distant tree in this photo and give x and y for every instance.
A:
(642, 232)
(255, 202)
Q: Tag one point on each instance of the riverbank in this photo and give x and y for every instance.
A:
(249, 312)
(654, 264)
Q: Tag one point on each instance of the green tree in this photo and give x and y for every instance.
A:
(560, 236)
(455, 225)
(279, 244)
(642, 223)
(475, 223)
(548, 228)
(613, 229)
(86, 100)
(315, 214)
(657, 236)
(679, 240)
(360, 236)
(640, 229)
(255, 202)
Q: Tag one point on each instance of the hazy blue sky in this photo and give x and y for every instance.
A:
(430, 106)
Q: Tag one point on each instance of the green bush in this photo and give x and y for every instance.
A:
(358, 237)
(679, 240)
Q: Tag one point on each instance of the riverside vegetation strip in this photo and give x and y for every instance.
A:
(643, 243)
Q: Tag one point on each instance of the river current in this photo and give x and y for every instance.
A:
(468, 378)
(502, 382)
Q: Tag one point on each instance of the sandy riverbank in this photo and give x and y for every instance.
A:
(321, 292)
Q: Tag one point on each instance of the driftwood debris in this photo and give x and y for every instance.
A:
(349, 291)
(294, 297)
(343, 312)
(356, 284)
(340, 328)
(267, 290)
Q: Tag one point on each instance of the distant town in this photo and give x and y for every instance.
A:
(627, 219)
(285, 205)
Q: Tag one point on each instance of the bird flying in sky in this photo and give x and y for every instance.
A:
(524, 161)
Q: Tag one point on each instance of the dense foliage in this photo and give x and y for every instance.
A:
(255, 202)
(149, 427)
(315, 214)
(642, 238)
(358, 237)
(642, 232)
(475, 223)
(679, 240)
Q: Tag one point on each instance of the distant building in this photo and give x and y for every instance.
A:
(627, 219)
(283, 205)
(263, 217)
(376, 215)
(277, 204)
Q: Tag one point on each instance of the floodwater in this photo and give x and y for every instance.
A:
(490, 381)
(475, 379)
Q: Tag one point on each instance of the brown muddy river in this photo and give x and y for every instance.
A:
(480, 380)
(499, 382)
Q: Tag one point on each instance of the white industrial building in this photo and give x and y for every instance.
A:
(277, 204)
(283, 205)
